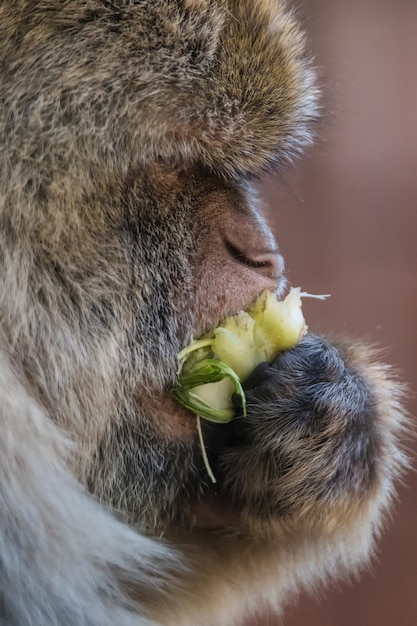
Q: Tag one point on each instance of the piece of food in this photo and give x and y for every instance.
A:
(206, 388)
(279, 325)
(213, 367)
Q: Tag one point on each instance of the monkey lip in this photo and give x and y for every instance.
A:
(172, 420)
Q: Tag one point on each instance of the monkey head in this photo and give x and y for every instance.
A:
(133, 135)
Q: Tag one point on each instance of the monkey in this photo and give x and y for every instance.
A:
(133, 136)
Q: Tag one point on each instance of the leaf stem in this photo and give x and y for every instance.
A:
(323, 296)
(204, 452)
(195, 345)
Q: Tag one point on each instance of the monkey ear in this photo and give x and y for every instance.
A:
(250, 98)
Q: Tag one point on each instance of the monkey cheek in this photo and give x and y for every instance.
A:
(172, 421)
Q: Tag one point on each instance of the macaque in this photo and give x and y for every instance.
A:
(132, 135)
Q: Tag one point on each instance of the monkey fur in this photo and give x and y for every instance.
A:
(131, 133)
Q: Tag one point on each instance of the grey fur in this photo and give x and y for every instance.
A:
(128, 135)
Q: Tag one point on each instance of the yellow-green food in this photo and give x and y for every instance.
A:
(213, 368)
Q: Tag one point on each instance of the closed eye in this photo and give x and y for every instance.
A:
(239, 256)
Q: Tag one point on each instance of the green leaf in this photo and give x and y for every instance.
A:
(197, 406)
(193, 346)
(207, 371)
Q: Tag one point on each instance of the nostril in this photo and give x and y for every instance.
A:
(266, 262)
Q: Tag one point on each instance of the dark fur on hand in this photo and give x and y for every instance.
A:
(130, 136)
(315, 401)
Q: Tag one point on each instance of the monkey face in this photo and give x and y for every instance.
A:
(191, 250)
(128, 226)
(126, 246)
(123, 282)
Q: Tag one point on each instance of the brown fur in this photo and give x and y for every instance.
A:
(130, 132)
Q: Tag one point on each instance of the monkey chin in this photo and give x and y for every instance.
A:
(212, 510)
(214, 513)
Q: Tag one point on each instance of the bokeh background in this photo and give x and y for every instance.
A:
(346, 222)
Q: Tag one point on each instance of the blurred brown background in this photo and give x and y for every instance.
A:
(346, 222)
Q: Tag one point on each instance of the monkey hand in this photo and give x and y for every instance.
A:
(311, 448)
